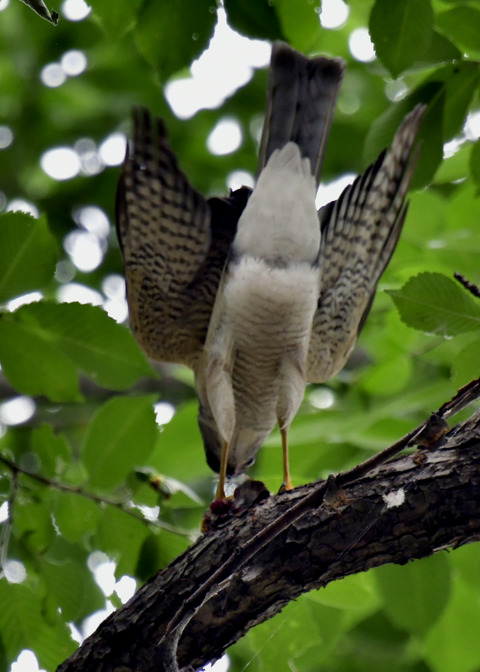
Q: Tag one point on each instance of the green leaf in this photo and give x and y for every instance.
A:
(441, 50)
(453, 642)
(73, 588)
(121, 536)
(33, 524)
(461, 83)
(454, 168)
(388, 377)
(23, 625)
(467, 364)
(462, 25)
(116, 17)
(28, 254)
(172, 33)
(415, 594)
(182, 431)
(299, 22)
(102, 349)
(430, 138)
(466, 563)
(255, 18)
(43, 345)
(149, 558)
(302, 625)
(51, 449)
(434, 303)
(357, 592)
(170, 546)
(34, 365)
(401, 32)
(120, 437)
(382, 130)
(75, 516)
(463, 212)
(448, 92)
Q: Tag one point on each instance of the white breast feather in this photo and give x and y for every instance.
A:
(280, 220)
(271, 304)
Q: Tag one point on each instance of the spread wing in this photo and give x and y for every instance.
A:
(359, 234)
(174, 245)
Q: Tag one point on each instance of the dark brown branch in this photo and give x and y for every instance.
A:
(429, 431)
(356, 528)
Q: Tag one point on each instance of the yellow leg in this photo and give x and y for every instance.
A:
(287, 483)
(220, 493)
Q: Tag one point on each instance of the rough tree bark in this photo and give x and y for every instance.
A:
(211, 595)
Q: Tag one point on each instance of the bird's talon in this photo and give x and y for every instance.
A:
(218, 511)
(286, 486)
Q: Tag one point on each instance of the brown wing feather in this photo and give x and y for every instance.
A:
(359, 234)
(174, 244)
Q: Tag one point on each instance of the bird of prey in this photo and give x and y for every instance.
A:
(258, 292)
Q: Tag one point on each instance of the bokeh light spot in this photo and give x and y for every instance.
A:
(225, 138)
(361, 46)
(75, 10)
(53, 75)
(240, 178)
(75, 292)
(6, 137)
(20, 205)
(31, 297)
(113, 286)
(221, 665)
(231, 57)
(164, 412)
(472, 126)
(112, 150)
(61, 163)
(334, 13)
(125, 588)
(332, 190)
(17, 411)
(321, 397)
(93, 219)
(85, 249)
(73, 62)
(4, 512)
(65, 271)
(26, 662)
(89, 157)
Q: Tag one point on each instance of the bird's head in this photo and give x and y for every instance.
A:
(212, 443)
(211, 438)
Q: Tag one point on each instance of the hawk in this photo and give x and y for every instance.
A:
(258, 292)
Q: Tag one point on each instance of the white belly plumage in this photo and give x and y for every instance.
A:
(269, 313)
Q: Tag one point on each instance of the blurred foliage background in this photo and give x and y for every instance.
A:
(102, 475)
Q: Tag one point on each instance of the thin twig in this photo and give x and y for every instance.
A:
(78, 490)
(473, 289)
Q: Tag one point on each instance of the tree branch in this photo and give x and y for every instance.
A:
(408, 508)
